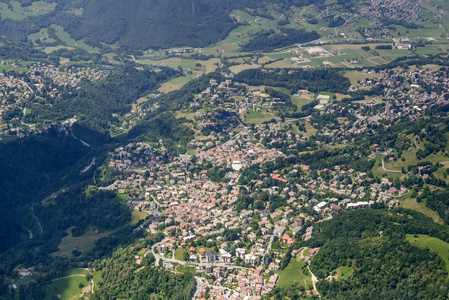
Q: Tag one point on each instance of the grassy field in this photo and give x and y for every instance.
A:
(422, 208)
(49, 50)
(254, 117)
(179, 253)
(69, 287)
(184, 269)
(84, 243)
(295, 271)
(136, 216)
(42, 35)
(122, 197)
(310, 130)
(355, 76)
(279, 64)
(239, 68)
(436, 245)
(345, 272)
(37, 8)
(188, 116)
(175, 83)
(65, 37)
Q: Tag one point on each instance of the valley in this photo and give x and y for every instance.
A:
(224, 150)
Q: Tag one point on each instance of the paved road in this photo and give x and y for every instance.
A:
(386, 170)
(416, 144)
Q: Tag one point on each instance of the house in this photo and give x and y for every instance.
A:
(273, 279)
(250, 259)
(335, 208)
(273, 267)
(211, 256)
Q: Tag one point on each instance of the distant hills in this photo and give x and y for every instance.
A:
(141, 25)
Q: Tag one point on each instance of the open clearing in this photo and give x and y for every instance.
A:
(86, 242)
(72, 286)
(434, 244)
(296, 271)
(422, 208)
(18, 12)
(175, 84)
(355, 76)
(179, 253)
(83, 243)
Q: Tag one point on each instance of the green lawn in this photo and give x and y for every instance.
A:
(179, 253)
(295, 271)
(434, 244)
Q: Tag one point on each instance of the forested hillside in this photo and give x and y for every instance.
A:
(385, 265)
(140, 25)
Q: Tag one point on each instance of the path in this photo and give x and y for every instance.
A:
(314, 281)
(386, 170)
(89, 166)
(38, 223)
(416, 144)
(30, 233)
(26, 84)
(75, 275)
(301, 254)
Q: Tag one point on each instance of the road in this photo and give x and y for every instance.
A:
(158, 257)
(416, 144)
(386, 170)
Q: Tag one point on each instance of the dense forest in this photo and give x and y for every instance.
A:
(140, 25)
(94, 103)
(385, 265)
(438, 201)
(140, 282)
(268, 41)
(32, 168)
(317, 80)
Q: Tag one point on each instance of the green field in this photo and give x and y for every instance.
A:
(175, 83)
(436, 245)
(69, 287)
(65, 37)
(83, 243)
(422, 208)
(41, 35)
(37, 8)
(254, 117)
(296, 271)
(179, 253)
(136, 216)
(355, 76)
(344, 272)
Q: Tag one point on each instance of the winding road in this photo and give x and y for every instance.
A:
(386, 170)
